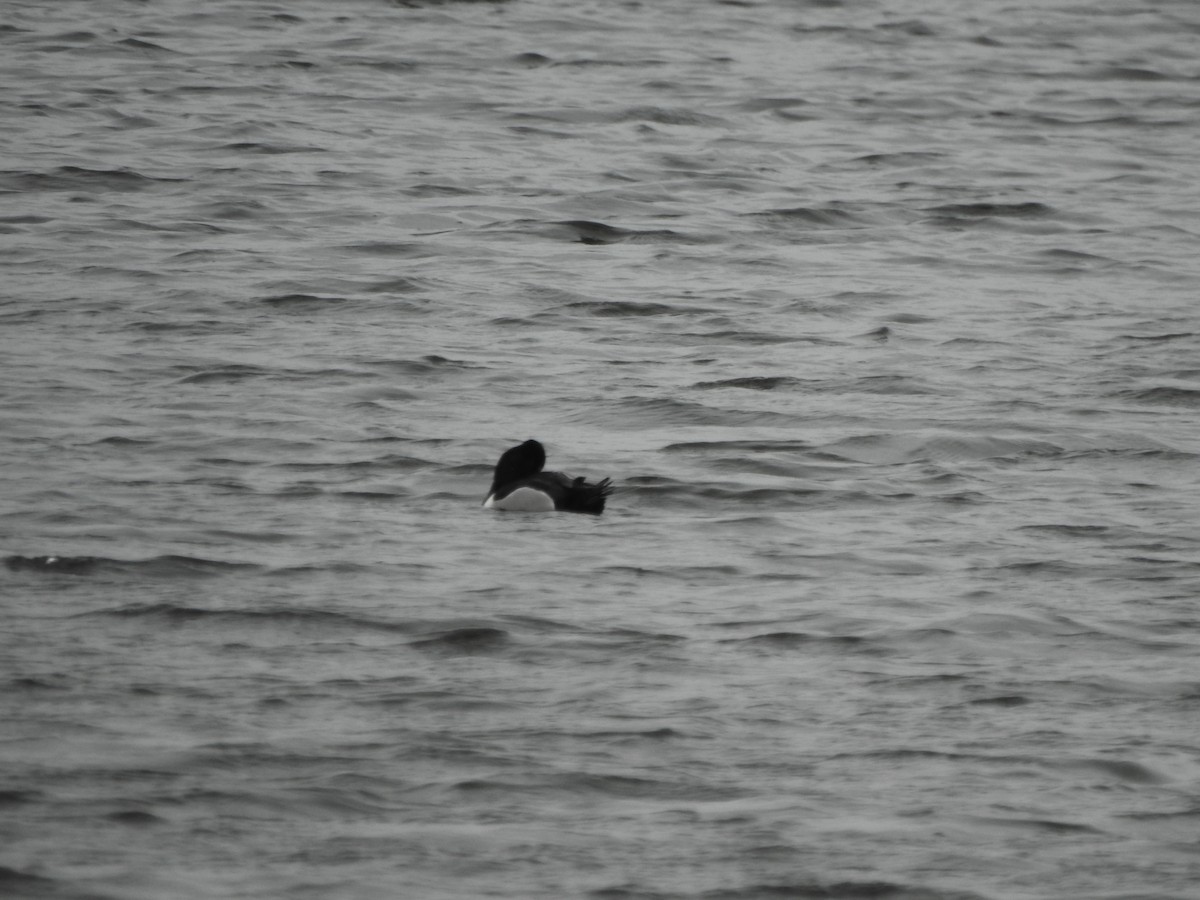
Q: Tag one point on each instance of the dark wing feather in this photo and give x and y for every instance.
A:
(589, 498)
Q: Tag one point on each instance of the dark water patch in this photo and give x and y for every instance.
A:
(19, 797)
(752, 382)
(633, 892)
(1050, 826)
(660, 115)
(1163, 395)
(1125, 73)
(429, 364)
(1079, 257)
(1003, 700)
(1159, 338)
(119, 273)
(1164, 454)
(17, 884)
(687, 574)
(531, 59)
(232, 535)
(426, 190)
(586, 232)
(348, 569)
(752, 338)
(134, 817)
(638, 636)
(126, 224)
(626, 308)
(1045, 567)
(27, 683)
(466, 641)
(389, 249)
(633, 736)
(589, 62)
(266, 149)
(270, 620)
(965, 497)
(1109, 772)
(609, 646)
(771, 104)
(24, 220)
(882, 384)
(385, 64)
(1008, 624)
(540, 624)
(79, 36)
(65, 565)
(1120, 770)
(901, 159)
(379, 394)
(835, 890)
(230, 374)
(422, 4)
(133, 43)
(534, 132)
(796, 640)
(245, 209)
(911, 318)
(1085, 531)
(77, 178)
(1029, 209)
(1193, 813)
(739, 447)
(909, 28)
(605, 785)
(396, 284)
(813, 217)
(302, 302)
(1065, 261)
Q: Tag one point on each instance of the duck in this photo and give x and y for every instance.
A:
(520, 485)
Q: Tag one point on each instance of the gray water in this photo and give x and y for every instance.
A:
(882, 316)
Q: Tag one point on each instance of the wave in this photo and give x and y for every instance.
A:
(466, 641)
(793, 640)
(900, 448)
(584, 231)
(168, 566)
(740, 446)
(811, 217)
(753, 383)
(635, 411)
(868, 384)
(1116, 770)
(797, 890)
(661, 490)
(270, 618)
(1024, 210)
(1163, 395)
(16, 883)
(78, 178)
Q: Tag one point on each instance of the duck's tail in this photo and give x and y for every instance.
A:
(589, 498)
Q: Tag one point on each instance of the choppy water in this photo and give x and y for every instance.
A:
(882, 315)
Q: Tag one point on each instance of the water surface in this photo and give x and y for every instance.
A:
(880, 314)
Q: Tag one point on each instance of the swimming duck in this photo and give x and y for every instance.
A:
(520, 485)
